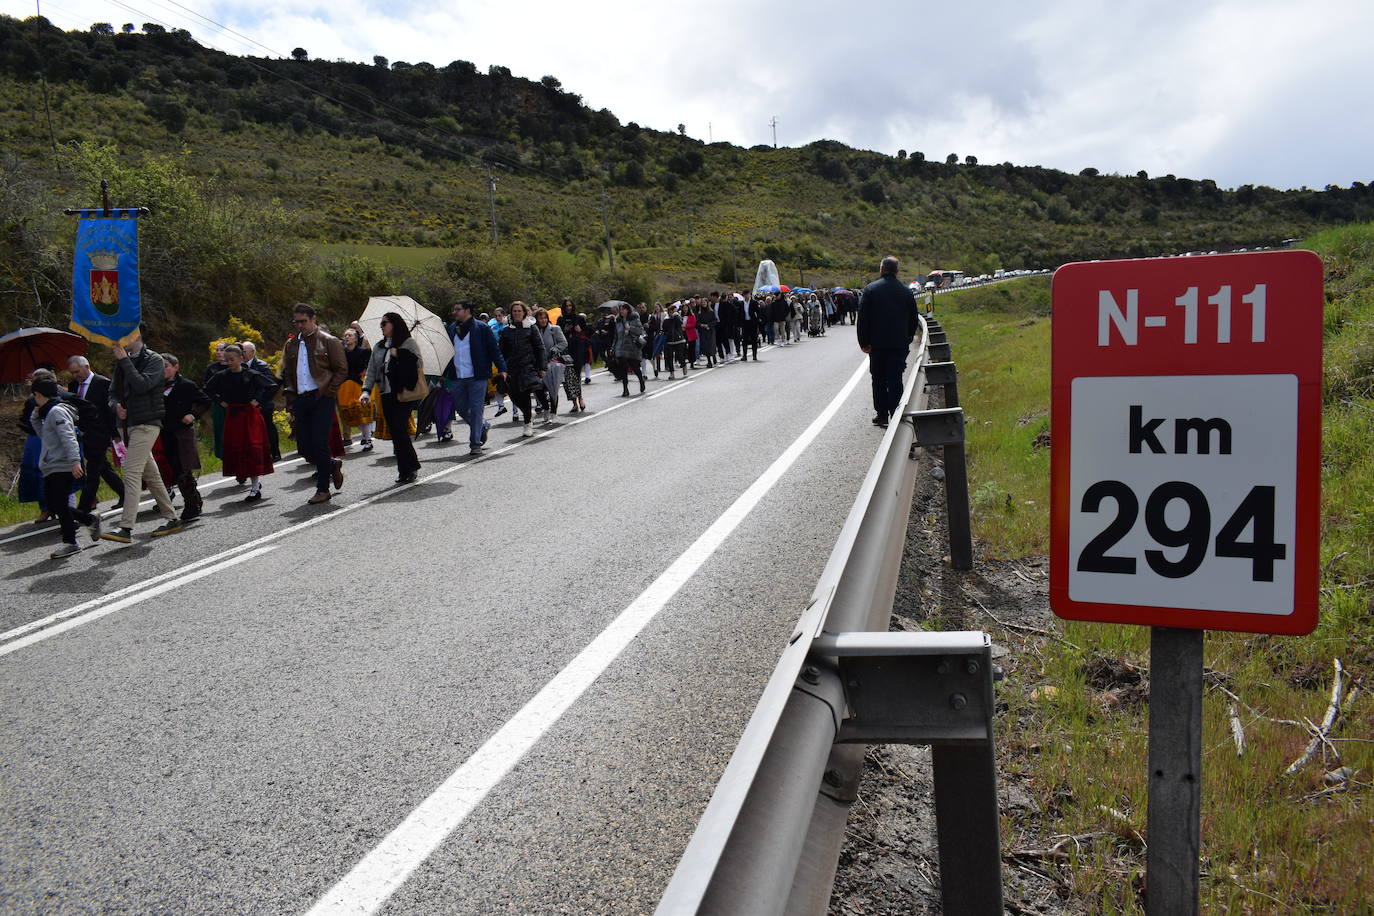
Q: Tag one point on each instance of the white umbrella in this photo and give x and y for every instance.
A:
(426, 327)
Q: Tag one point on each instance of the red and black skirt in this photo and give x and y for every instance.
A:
(247, 452)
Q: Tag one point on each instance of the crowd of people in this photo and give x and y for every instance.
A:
(146, 416)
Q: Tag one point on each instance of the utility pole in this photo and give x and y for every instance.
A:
(491, 195)
(606, 222)
(774, 123)
(710, 137)
(43, 81)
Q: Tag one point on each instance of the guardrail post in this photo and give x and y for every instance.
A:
(943, 375)
(935, 689)
(945, 428)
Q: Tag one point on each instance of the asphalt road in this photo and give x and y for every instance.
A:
(368, 703)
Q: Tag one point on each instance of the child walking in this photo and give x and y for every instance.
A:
(60, 463)
(246, 449)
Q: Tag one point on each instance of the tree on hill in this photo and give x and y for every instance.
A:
(300, 54)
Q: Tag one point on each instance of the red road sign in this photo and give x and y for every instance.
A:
(1186, 441)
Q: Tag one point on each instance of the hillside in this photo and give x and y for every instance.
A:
(398, 154)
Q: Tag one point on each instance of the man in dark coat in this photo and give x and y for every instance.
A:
(95, 440)
(185, 403)
(475, 351)
(887, 325)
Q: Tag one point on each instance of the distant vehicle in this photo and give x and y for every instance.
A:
(998, 274)
(944, 279)
(930, 286)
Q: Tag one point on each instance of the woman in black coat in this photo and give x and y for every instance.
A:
(526, 362)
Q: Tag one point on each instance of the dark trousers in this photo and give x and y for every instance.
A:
(56, 487)
(314, 417)
(273, 437)
(886, 365)
(98, 469)
(397, 415)
(749, 337)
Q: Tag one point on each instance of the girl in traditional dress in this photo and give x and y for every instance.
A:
(352, 411)
(247, 452)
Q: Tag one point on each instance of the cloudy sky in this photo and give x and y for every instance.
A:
(1269, 92)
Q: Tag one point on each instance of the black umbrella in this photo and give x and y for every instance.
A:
(24, 350)
(614, 304)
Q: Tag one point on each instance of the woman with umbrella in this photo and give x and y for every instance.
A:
(395, 367)
(627, 349)
(526, 363)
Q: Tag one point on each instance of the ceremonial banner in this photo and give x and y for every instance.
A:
(105, 296)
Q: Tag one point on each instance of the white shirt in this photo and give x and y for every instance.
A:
(304, 380)
(462, 355)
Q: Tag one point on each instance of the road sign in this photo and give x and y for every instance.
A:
(1186, 428)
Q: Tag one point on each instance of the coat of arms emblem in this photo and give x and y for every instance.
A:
(105, 282)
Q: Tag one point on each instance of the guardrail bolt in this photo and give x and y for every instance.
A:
(971, 666)
(832, 777)
(958, 701)
(943, 667)
(811, 675)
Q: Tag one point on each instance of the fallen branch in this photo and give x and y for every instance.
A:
(1056, 849)
(1333, 711)
(1237, 731)
(1023, 628)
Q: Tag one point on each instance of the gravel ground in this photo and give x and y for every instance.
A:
(890, 861)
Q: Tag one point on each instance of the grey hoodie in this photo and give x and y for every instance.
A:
(57, 430)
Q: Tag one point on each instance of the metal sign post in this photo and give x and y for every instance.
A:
(1185, 484)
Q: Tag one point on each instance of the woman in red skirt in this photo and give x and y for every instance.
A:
(246, 449)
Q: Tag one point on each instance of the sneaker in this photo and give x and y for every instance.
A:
(119, 535)
(64, 551)
(252, 496)
(529, 430)
(499, 411)
(94, 527)
(170, 526)
(338, 474)
(476, 450)
(321, 496)
(189, 515)
(367, 445)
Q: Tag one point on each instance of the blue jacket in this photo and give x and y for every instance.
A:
(485, 351)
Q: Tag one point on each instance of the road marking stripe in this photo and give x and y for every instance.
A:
(229, 554)
(366, 888)
(144, 504)
(132, 600)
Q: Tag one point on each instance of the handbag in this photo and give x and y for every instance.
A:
(418, 393)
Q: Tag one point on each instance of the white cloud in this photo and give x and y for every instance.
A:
(1192, 88)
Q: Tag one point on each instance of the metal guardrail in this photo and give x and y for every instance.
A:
(769, 840)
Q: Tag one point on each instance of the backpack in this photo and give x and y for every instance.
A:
(87, 413)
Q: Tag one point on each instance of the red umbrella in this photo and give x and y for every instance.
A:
(26, 349)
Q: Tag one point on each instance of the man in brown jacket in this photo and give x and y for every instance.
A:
(313, 367)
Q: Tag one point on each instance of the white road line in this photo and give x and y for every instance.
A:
(670, 389)
(145, 504)
(366, 888)
(227, 557)
(132, 600)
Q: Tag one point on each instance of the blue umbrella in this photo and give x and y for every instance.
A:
(801, 289)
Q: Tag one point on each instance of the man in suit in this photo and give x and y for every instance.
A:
(96, 442)
(269, 404)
